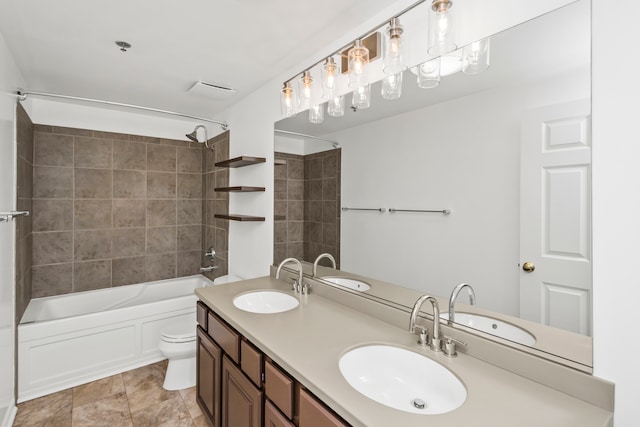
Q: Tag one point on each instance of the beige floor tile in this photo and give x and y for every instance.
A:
(50, 410)
(189, 398)
(170, 413)
(97, 390)
(112, 411)
(201, 421)
(144, 386)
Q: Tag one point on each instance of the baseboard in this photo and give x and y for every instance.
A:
(8, 415)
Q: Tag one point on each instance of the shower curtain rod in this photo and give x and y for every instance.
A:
(22, 95)
(304, 135)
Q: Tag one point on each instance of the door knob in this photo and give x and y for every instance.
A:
(528, 267)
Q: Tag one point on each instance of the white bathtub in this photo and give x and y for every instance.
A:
(67, 340)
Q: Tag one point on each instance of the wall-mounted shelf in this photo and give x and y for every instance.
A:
(244, 218)
(280, 162)
(238, 189)
(238, 162)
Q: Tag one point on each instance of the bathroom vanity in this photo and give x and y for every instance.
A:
(283, 369)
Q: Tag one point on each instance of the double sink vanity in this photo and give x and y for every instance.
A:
(275, 354)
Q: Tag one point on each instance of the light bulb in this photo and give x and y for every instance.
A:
(391, 86)
(358, 58)
(335, 106)
(287, 104)
(305, 86)
(361, 97)
(429, 74)
(329, 78)
(441, 37)
(316, 114)
(393, 48)
(475, 58)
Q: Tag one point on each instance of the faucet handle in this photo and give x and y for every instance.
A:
(423, 336)
(449, 347)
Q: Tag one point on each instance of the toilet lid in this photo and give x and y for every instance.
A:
(179, 332)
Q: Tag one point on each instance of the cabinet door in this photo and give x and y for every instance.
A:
(273, 417)
(241, 400)
(313, 413)
(209, 364)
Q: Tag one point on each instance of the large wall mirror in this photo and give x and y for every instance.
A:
(507, 152)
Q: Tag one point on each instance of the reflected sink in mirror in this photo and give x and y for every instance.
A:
(494, 327)
(353, 284)
(402, 379)
(265, 302)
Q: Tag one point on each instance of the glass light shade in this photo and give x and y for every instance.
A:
(305, 88)
(316, 113)
(475, 57)
(287, 101)
(392, 86)
(358, 58)
(451, 63)
(441, 28)
(330, 74)
(335, 106)
(393, 48)
(361, 97)
(429, 74)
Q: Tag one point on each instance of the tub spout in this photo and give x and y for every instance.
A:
(207, 269)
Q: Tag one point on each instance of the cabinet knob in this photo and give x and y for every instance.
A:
(528, 267)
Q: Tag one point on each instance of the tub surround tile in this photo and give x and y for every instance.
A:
(161, 185)
(91, 245)
(161, 158)
(189, 238)
(93, 183)
(52, 150)
(161, 240)
(128, 242)
(189, 160)
(161, 212)
(295, 211)
(110, 411)
(110, 135)
(93, 153)
(129, 184)
(189, 211)
(68, 131)
(50, 182)
(92, 214)
(52, 215)
(91, 275)
(49, 280)
(189, 186)
(129, 213)
(145, 139)
(52, 248)
(129, 155)
(97, 390)
(127, 271)
(189, 263)
(158, 267)
(295, 231)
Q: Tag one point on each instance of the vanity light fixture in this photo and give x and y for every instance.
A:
(392, 86)
(335, 106)
(305, 86)
(475, 57)
(441, 28)
(394, 50)
(361, 98)
(316, 113)
(428, 74)
(287, 101)
(329, 78)
(358, 58)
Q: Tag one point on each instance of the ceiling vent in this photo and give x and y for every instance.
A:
(214, 91)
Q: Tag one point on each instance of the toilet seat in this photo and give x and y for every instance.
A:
(179, 333)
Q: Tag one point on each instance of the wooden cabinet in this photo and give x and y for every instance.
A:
(241, 400)
(237, 387)
(209, 363)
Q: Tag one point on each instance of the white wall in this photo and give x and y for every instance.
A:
(616, 203)
(10, 80)
(461, 155)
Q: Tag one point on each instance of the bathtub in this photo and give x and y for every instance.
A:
(68, 340)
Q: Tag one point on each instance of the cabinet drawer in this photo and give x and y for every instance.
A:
(279, 387)
(201, 314)
(314, 413)
(273, 417)
(227, 338)
(251, 362)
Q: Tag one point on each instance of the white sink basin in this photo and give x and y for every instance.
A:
(265, 302)
(402, 379)
(493, 326)
(354, 284)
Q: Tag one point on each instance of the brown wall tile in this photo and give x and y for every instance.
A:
(161, 240)
(129, 155)
(189, 160)
(129, 184)
(51, 280)
(128, 242)
(92, 214)
(161, 212)
(189, 211)
(158, 267)
(189, 263)
(189, 238)
(52, 247)
(127, 271)
(93, 183)
(52, 150)
(93, 153)
(52, 182)
(161, 185)
(129, 213)
(91, 275)
(161, 158)
(91, 244)
(52, 215)
(189, 186)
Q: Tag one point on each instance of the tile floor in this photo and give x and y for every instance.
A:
(133, 398)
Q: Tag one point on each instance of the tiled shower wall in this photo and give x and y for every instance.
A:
(24, 137)
(114, 209)
(307, 206)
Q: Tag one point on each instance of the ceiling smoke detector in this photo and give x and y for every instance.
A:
(123, 45)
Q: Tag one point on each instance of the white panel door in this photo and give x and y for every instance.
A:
(555, 216)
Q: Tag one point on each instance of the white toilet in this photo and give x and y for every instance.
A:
(178, 344)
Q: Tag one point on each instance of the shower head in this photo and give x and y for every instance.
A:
(200, 137)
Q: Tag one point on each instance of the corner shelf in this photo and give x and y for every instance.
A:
(238, 162)
(238, 189)
(243, 218)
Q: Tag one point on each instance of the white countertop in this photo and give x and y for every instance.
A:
(309, 340)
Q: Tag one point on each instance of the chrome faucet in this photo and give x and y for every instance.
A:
(298, 285)
(436, 341)
(207, 269)
(454, 297)
(324, 255)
